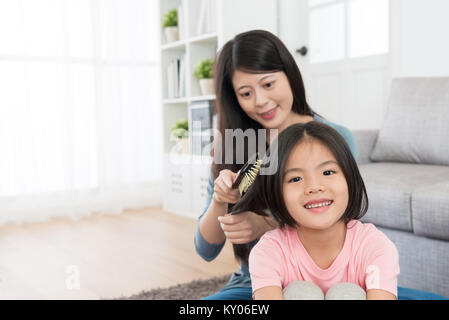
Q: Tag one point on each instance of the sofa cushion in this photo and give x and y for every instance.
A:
(430, 211)
(415, 129)
(390, 186)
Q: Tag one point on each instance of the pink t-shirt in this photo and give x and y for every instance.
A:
(368, 258)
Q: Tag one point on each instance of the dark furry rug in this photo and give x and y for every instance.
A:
(194, 290)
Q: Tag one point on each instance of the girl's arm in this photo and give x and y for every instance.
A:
(269, 293)
(377, 294)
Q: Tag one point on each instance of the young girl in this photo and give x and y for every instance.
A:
(317, 196)
(258, 86)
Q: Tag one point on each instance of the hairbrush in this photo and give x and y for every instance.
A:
(247, 174)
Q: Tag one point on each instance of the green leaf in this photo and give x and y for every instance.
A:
(204, 70)
(180, 129)
(170, 19)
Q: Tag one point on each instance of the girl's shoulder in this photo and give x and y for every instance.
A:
(367, 235)
(278, 235)
(274, 243)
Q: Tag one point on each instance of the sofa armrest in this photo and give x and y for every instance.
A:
(365, 140)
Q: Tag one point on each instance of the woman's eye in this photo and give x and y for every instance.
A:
(328, 172)
(295, 179)
(269, 85)
(245, 95)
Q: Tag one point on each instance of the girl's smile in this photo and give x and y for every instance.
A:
(319, 205)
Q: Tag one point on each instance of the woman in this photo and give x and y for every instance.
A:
(258, 86)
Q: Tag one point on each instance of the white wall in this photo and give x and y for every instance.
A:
(420, 38)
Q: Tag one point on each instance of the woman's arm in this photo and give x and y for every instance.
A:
(245, 227)
(221, 194)
(269, 293)
(210, 226)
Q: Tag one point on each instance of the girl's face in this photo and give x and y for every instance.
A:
(265, 97)
(315, 188)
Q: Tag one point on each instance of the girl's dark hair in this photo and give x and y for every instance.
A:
(255, 51)
(267, 190)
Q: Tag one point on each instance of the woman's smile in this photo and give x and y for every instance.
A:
(269, 114)
(265, 97)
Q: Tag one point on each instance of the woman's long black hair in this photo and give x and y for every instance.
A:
(255, 51)
(266, 193)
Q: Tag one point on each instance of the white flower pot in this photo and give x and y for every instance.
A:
(171, 34)
(182, 146)
(207, 87)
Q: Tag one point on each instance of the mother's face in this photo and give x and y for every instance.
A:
(265, 97)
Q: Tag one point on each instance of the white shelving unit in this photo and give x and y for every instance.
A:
(187, 175)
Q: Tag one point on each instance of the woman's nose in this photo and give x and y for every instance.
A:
(261, 99)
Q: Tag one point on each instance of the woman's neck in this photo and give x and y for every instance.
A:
(330, 239)
(292, 119)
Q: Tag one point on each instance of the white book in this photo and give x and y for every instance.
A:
(170, 81)
(202, 18)
(181, 22)
(213, 15)
(182, 83)
(209, 17)
(176, 76)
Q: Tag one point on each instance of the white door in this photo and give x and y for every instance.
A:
(347, 65)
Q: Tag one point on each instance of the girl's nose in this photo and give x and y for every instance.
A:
(313, 189)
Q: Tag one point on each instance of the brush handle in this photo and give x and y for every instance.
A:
(238, 179)
(243, 170)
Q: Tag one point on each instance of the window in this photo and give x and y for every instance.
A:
(340, 29)
(79, 96)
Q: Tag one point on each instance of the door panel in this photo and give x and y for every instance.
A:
(346, 75)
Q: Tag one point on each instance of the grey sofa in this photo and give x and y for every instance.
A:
(405, 166)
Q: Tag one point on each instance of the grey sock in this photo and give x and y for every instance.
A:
(345, 291)
(303, 290)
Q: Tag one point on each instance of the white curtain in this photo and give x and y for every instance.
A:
(80, 118)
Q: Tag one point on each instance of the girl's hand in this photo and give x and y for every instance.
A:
(245, 227)
(223, 192)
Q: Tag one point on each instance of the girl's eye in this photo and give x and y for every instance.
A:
(269, 85)
(245, 95)
(328, 172)
(295, 179)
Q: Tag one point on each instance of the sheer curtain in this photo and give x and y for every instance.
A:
(80, 118)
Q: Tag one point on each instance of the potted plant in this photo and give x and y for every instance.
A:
(204, 72)
(180, 133)
(170, 25)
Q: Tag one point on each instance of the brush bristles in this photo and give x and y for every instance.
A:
(249, 177)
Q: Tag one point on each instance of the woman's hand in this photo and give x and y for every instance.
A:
(223, 192)
(245, 227)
